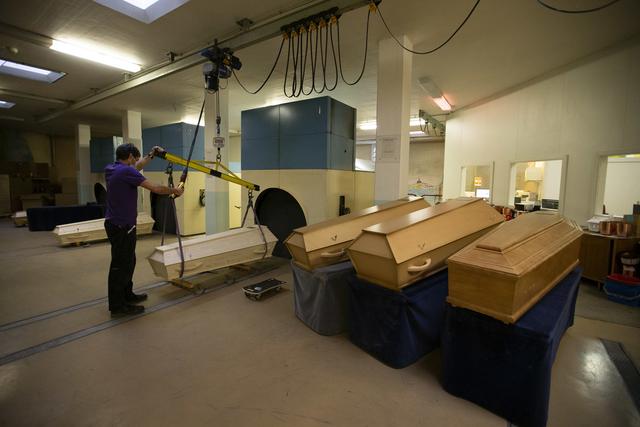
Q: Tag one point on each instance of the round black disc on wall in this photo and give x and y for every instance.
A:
(281, 212)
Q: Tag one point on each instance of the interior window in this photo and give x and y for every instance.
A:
(535, 185)
(621, 188)
(475, 181)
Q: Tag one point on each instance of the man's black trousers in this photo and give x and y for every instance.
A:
(123, 263)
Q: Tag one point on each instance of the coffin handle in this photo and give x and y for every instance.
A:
(419, 268)
(332, 254)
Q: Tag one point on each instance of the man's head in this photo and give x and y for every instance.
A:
(128, 154)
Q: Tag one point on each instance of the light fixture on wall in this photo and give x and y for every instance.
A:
(91, 54)
(533, 172)
(435, 93)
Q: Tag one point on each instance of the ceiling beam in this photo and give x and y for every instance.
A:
(256, 33)
(24, 95)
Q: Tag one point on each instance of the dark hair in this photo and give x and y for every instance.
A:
(123, 151)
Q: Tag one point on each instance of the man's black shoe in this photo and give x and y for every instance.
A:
(133, 298)
(127, 310)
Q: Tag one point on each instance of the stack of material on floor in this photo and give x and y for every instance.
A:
(324, 243)
(212, 252)
(506, 272)
(19, 218)
(93, 230)
(403, 250)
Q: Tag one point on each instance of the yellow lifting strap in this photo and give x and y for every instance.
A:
(199, 167)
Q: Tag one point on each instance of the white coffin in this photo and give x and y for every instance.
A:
(20, 218)
(211, 252)
(93, 230)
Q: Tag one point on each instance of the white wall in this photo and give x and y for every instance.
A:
(622, 186)
(585, 112)
(426, 161)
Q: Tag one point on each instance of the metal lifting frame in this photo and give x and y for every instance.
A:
(199, 167)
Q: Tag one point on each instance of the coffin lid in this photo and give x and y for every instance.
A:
(92, 224)
(513, 233)
(425, 230)
(408, 220)
(320, 235)
(520, 245)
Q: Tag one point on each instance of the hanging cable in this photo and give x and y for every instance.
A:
(333, 52)
(314, 64)
(268, 76)
(323, 53)
(434, 49)
(366, 49)
(286, 69)
(183, 177)
(304, 70)
(595, 9)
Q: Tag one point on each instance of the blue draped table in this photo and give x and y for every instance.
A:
(397, 328)
(507, 368)
(320, 297)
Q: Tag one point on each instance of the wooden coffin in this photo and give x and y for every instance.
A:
(206, 253)
(507, 271)
(93, 230)
(398, 252)
(20, 218)
(324, 243)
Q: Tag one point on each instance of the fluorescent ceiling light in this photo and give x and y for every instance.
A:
(91, 55)
(368, 125)
(435, 93)
(29, 72)
(416, 121)
(417, 133)
(372, 125)
(145, 11)
(6, 104)
(141, 4)
(442, 103)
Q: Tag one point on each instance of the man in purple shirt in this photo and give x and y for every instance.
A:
(123, 180)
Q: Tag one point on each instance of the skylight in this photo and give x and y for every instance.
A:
(6, 104)
(141, 4)
(146, 11)
(29, 72)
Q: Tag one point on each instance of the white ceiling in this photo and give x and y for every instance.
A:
(504, 44)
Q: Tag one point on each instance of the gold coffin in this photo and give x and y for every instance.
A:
(398, 252)
(506, 272)
(324, 243)
(93, 230)
(206, 253)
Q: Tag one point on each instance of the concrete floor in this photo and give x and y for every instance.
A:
(221, 359)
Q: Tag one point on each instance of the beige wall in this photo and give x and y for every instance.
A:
(64, 156)
(40, 146)
(583, 113)
(426, 161)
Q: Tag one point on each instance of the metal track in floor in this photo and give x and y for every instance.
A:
(627, 369)
(64, 339)
(69, 309)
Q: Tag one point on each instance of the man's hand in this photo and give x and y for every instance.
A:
(154, 151)
(177, 191)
